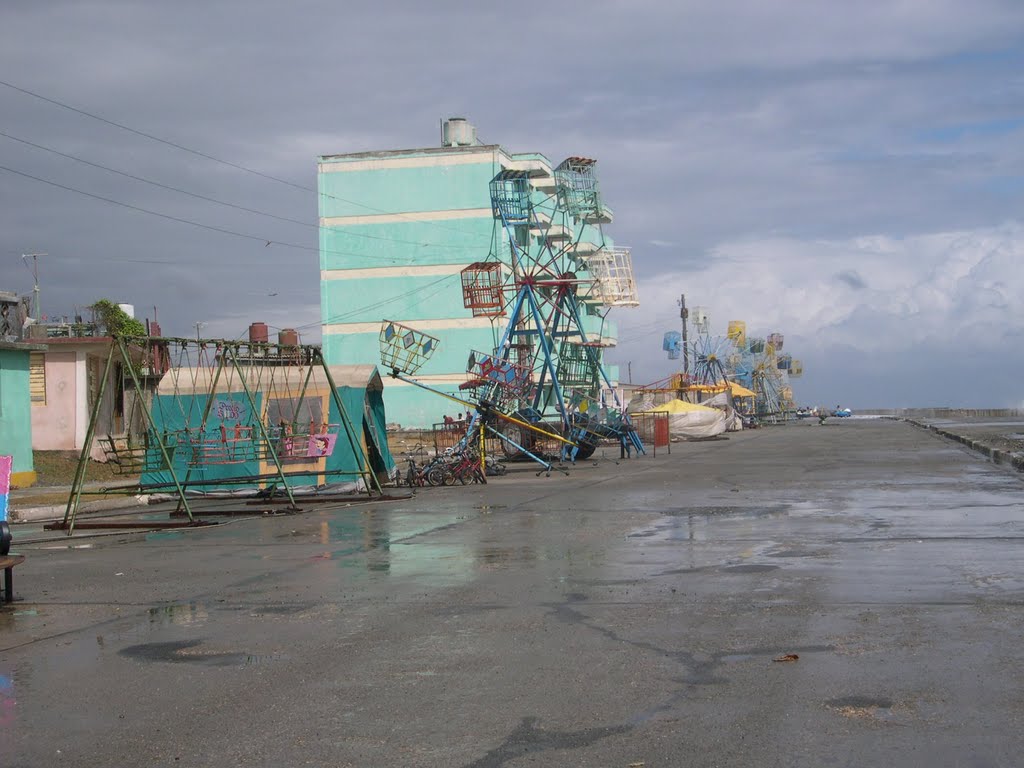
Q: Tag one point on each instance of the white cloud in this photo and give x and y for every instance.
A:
(946, 300)
(772, 132)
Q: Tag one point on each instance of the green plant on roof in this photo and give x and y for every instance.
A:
(116, 320)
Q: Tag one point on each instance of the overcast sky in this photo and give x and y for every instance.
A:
(850, 174)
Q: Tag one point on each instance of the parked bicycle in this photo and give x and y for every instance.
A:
(449, 468)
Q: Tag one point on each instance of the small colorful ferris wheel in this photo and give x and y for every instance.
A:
(760, 365)
(709, 359)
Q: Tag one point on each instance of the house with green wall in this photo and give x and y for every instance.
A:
(397, 227)
(16, 409)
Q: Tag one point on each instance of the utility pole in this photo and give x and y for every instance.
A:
(34, 269)
(198, 326)
(684, 314)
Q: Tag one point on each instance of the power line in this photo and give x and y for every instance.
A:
(383, 302)
(215, 200)
(258, 238)
(350, 313)
(153, 213)
(206, 156)
(153, 183)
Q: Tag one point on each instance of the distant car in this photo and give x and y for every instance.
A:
(842, 413)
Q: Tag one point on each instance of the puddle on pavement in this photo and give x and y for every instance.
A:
(719, 510)
(164, 536)
(8, 704)
(155, 619)
(753, 568)
(694, 523)
(797, 552)
(281, 610)
(487, 508)
(178, 614)
(191, 652)
(492, 555)
(862, 707)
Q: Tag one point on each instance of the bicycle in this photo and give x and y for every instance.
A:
(467, 468)
(414, 476)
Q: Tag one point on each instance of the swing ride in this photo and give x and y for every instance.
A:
(206, 419)
(550, 277)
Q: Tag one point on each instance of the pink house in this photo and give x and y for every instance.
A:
(65, 380)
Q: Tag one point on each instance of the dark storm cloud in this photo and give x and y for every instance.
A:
(712, 123)
(852, 279)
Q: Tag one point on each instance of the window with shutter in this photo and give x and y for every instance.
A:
(37, 378)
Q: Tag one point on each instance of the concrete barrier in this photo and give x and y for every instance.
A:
(942, 413)
(996, 455)
(29, 513)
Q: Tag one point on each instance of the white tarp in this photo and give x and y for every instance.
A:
(689, 421)
(733, 422)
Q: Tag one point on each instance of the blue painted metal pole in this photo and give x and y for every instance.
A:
(546, 348)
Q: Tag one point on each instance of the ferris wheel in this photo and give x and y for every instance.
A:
(550, 280)
(709, 359)
(760, 365)
(557, 278)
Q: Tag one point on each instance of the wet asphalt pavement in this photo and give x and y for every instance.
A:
(626, 615)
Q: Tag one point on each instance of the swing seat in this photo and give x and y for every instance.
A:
(124, 457)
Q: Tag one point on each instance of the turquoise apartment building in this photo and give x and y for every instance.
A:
(397, 227)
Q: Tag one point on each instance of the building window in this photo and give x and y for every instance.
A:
(37, 378)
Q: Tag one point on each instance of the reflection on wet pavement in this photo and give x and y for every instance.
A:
(619, 617)
(192, 652)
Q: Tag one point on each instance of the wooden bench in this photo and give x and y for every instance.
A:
(7, 563)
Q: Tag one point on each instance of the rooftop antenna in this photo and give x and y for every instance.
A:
(34, 269)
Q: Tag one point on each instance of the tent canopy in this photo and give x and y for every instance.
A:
(679, 406)
(738, 390)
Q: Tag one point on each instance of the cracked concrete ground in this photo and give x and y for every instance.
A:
(628, 614)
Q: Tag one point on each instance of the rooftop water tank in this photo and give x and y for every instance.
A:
(128, 309)
(458, 132)
(258, 333)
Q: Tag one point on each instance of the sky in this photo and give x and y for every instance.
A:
(848, 174)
